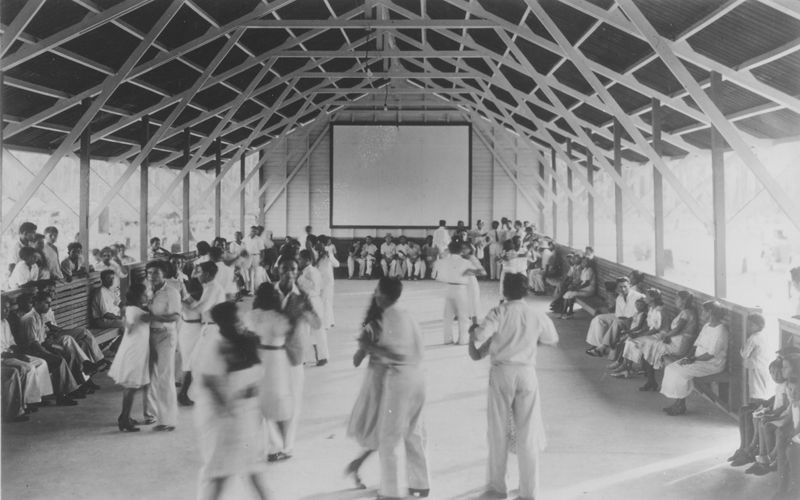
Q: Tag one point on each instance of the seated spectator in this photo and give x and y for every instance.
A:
(399, 264)
(573, 274)
(430, 253)
(353, 258)
(584, 285)
(415, 264)
(156, 251)
(31, 338)
(25, 271)
(707, 356)
(27, 235)
(105, 311)
(388, 253)
(675, 342)
(788, 441)
(124, 258)
(50, 252)
(41, 261)
(34, 376)
(656, 321)
(74, 264)
(638, 324)
(82, 338)
(368, 251)
(106, 262)
(604, 330)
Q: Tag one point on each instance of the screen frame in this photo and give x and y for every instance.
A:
(333, 125)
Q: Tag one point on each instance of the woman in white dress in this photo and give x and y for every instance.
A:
(227, 414)
(272, 328)
(473, 290)
(655, 322)
(326, 264)
(131, 366)
(707, 357)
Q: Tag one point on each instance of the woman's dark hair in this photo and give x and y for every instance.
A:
(241, 350)
(757, 320)
(508, 245)
(307, 255)
(209, 268)
(374, 313)
(715, 309)
(515, 286)
(454, 247)
(391, 287)
(655, 294)
(202, 247)
(25, 300)
(157, 264)
(688, 299)
(134, 293)
(267, 298)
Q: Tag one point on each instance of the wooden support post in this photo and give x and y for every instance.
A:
(590, 197)
(218, 190)
(617, 189)
(542, 218)
(554, 193)
(570, 211)
(718, 193)
(658, 190)
(242, 197)
(186, 232)
(83, 176)
(144, 185)
(262, 197)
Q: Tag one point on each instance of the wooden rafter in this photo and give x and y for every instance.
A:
(17, 26)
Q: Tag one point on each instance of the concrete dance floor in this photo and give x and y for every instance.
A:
(606, 439)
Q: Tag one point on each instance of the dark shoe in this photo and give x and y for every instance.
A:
(273, 457)
(419, 493)
(184, 400)
(66, 401)
(164, 428)
(91, 385)
(127, 425)
(322, 362)
(79, 394)
(89, 368)
(649, 387)
(736, 454)
(103, 365)
(758, 469)
(147, 421)
(352, 470)
(744, 459)
(675, 411)
(31, 408)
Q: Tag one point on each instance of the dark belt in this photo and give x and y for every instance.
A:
(190, 320)
(271, 347)
(209, 323)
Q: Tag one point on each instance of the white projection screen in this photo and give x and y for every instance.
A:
(407, 175)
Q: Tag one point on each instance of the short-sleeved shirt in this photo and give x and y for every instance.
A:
(515, 328)
(22, 275)
(388, 250)
(213, 294)
(104, 301)
(654, 318)
(756, 359)
(166, 300)
(368, 250)
(310, 281)
(6, 338)
(69, 268)
(712, 340)
(32, 327)
(53, 263)
(451, 269)
(401, 249)
(626, 306)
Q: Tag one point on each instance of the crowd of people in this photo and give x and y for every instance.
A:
(247, 364)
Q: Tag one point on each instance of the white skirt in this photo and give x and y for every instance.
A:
(677, 383)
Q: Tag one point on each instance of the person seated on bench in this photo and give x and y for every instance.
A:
(572, 275)
(388, 252)
(105, 311)
(74, 265)
(430, 254)
(400, 264)
(415, 264)
(788, 442)
(25, 270)
(353, 258)
(585, 285)
(66, 362)
(675, 342)
(81, 337)
(107, 263)
(368, 251)
(656, 320)
(50, 252)
(604, 328)
(34, 376)
(27, 235)
(156, 251)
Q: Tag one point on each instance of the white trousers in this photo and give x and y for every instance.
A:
(598, 328)
(401, 432)
(474, 296)
(456, 303)
(327, 305)
(161, 395)
(274, 442)
(366, 264)
(351, 266)
(514, 392)
(188, 338)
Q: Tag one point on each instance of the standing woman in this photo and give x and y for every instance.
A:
(131, 366)
(276, 352)
(495, 249)
(675, 342)
(326, 264)
(165, 310)
(227, 416)
(473, 290)
(353, 255)
(363, 424)
(706, 357)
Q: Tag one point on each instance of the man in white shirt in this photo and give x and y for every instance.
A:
(74, 264)
(441, 238)
(225, 273)
(400, 263)
(105, 311)
(454, 270)
(25, 271)
(156, 251)
(367, 260)
(310, 283)
(27, 236)
(604, 328)
(33, 371)
(254, 245)
(83, 339)
(514, 329)
(388, 252)
(50, 252)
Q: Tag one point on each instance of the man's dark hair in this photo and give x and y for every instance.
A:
(26, 252)
(515, 286)
(74, 246)
(51, 230)
(215, 254)
(286, 262)
(106, 272)
(442, 222)
(209, 268)
(391, 287)
(202, 247)
(154, 239)
(40, 296)
(454, 247)
(27, 227)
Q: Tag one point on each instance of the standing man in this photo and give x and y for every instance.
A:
(514, 329)
(441, 238)
(454, 270)
(254, 246)
(310, 283)
(50, 252)
(165, 310)
(27, 237)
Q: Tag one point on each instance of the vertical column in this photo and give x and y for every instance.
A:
(590, 197)
(218, 190)
(718, 189)
(144, 186)
(542, 194)
(554, 192)
(658, 191)
(85, 172)
(186, 220)
(262, 180)
(2, 144)
(242, 194)
(618, 188)
(570, 211)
